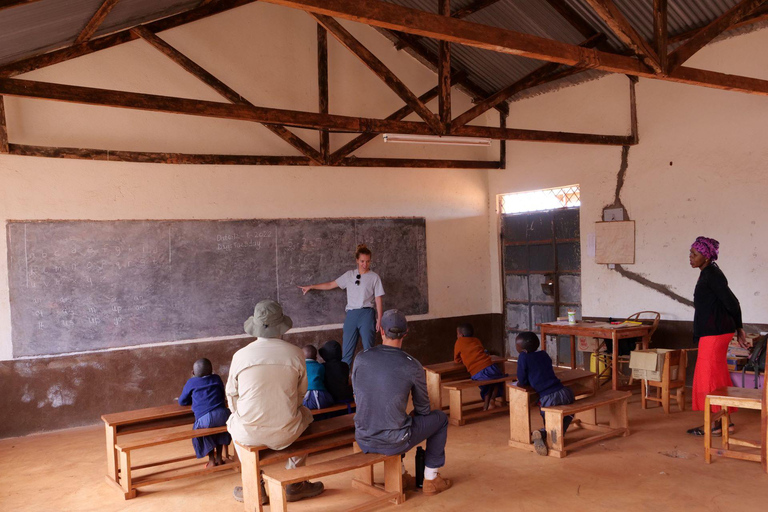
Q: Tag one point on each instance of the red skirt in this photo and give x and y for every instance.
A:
(711, 369)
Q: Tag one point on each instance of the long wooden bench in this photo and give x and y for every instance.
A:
(278, 479)
(318, 437)
(616, 401)
(458, 416)
(128, 483)
(438, 373)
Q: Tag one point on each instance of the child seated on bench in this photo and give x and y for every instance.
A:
(336, 375)
(469, 351)
(317, 397)
(535, 369)
(205, 393)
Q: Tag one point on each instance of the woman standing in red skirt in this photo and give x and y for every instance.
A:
(717, 315)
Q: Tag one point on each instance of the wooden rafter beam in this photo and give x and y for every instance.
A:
(3, 128)
(476, 92)
(6, 4)
(470, 9)
(208, 159)
(538, 76)
(398, 115)
(95, 22)
(444, 69)
(313, 120)
(620, 26)
(403, 19)
(322, 87)
(756, 17)
(660, 32)
(123, 36)
(711, 31)
(380, 69)
(220, 87)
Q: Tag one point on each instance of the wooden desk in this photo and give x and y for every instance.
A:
(140, 420)
(601, 330)
(436, 373)
(583, 383)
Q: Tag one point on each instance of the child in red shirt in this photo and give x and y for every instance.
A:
(469, 351)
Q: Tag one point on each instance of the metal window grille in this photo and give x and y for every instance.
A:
(540, 200)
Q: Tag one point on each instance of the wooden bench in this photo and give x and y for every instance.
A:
(278, 479)
(318, 437)
(438, 373)
(334, 408)
(128, 483)
(583, 384)
(456, 400)
(616, 401)
(731, 397)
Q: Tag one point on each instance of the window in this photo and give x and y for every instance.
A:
(539, 200)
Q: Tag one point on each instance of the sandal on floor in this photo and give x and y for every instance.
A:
(718, 432)
(698, 431)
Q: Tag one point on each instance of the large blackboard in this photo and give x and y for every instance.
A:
(85, 285)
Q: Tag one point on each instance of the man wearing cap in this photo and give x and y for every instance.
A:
(383, 378)
(266, 385)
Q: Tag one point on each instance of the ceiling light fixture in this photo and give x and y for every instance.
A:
(435, 139)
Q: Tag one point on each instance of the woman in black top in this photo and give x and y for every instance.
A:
(717, 315)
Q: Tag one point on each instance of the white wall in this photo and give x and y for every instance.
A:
(699, 170)
(266, 53)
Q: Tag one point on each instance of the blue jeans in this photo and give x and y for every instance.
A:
(360, 322)
(434, 429)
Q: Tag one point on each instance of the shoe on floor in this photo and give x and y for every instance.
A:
(301, 490)
(540, 442)
(436, 485)
(238, 494)
(409, 482)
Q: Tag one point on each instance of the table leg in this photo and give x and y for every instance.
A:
(573, 351)
(543, 339)
(434, 391)
(111, 434)
(615, 360)
(519, 417)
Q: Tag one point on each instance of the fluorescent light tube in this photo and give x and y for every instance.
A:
(435, 139)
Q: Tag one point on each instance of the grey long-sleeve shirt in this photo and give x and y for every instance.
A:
(382, 378)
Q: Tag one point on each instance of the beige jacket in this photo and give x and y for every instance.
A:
(266, 386)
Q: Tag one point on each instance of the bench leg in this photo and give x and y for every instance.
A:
(619, 417)
(125, 477)
(707, 431)
(553, 423)
(111, 435)
(393, 477)
(724, 421)
(456, 415)
(251, 479)
(365, 474)
(277, 501)
(665, 397)
(434, 391)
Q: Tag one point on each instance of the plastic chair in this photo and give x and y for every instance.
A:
(665, 386)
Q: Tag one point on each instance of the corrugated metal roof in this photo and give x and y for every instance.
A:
(38, 27)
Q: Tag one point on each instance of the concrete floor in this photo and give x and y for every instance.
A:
(657, 468)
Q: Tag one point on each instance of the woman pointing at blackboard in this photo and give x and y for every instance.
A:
(364, 289)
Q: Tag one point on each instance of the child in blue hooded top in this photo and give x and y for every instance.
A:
(205, 393)
(317, 396)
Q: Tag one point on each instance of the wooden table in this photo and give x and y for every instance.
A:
(583, 383)
(140, 420)
(601, 330)
(436, 373)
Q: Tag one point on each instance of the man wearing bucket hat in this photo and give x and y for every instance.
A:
(383, 378)
(266, 385)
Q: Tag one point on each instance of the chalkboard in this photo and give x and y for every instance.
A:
(86, 285)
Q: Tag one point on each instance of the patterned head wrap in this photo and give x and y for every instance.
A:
(708, 247)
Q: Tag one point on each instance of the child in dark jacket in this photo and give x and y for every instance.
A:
(317, 397)
(205, 393)
(535, 369)
(336, 373)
